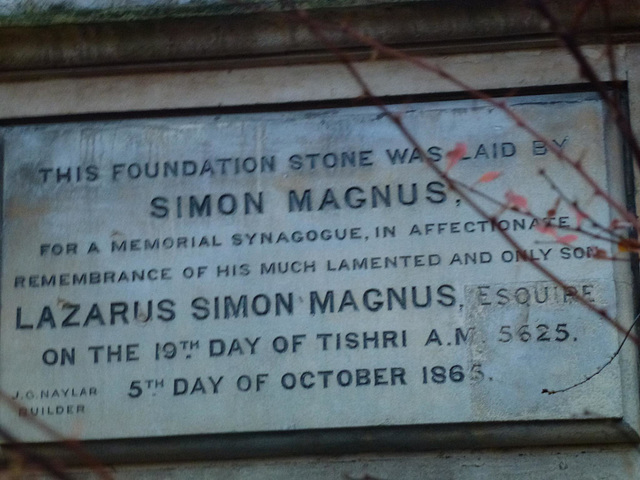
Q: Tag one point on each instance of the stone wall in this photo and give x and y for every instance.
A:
(65, 63)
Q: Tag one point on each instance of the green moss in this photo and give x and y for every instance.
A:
(32, 13)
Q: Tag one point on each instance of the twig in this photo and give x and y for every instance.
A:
(607, 230)
(599, 370)
(613, 70)
(504, 207)
(581, 11)
(317, 29)
(44, 463)
(432, 68)
(587, 71)
(74, 445)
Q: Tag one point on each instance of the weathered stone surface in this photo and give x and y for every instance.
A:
(610, 463)
(55, 11)
(302, 270)
(130, 35)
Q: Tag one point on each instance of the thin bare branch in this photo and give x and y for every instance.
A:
(587, 71)
(433, 68)
(601, 368)
(613, 69)
(52, 468)
(318, 29)
(613, 237)
(72, 444)
(581, 11)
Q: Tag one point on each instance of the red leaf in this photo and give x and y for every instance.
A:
(547, 230)
(567, 239)
(553, 210)
(516, 200)
(489, 177)
(628, 245)
(616, 223)
(601, 254)
(455, 155)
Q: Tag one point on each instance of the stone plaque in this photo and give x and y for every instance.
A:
(303, 270)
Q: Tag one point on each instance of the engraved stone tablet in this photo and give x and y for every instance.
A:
(303, 270)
